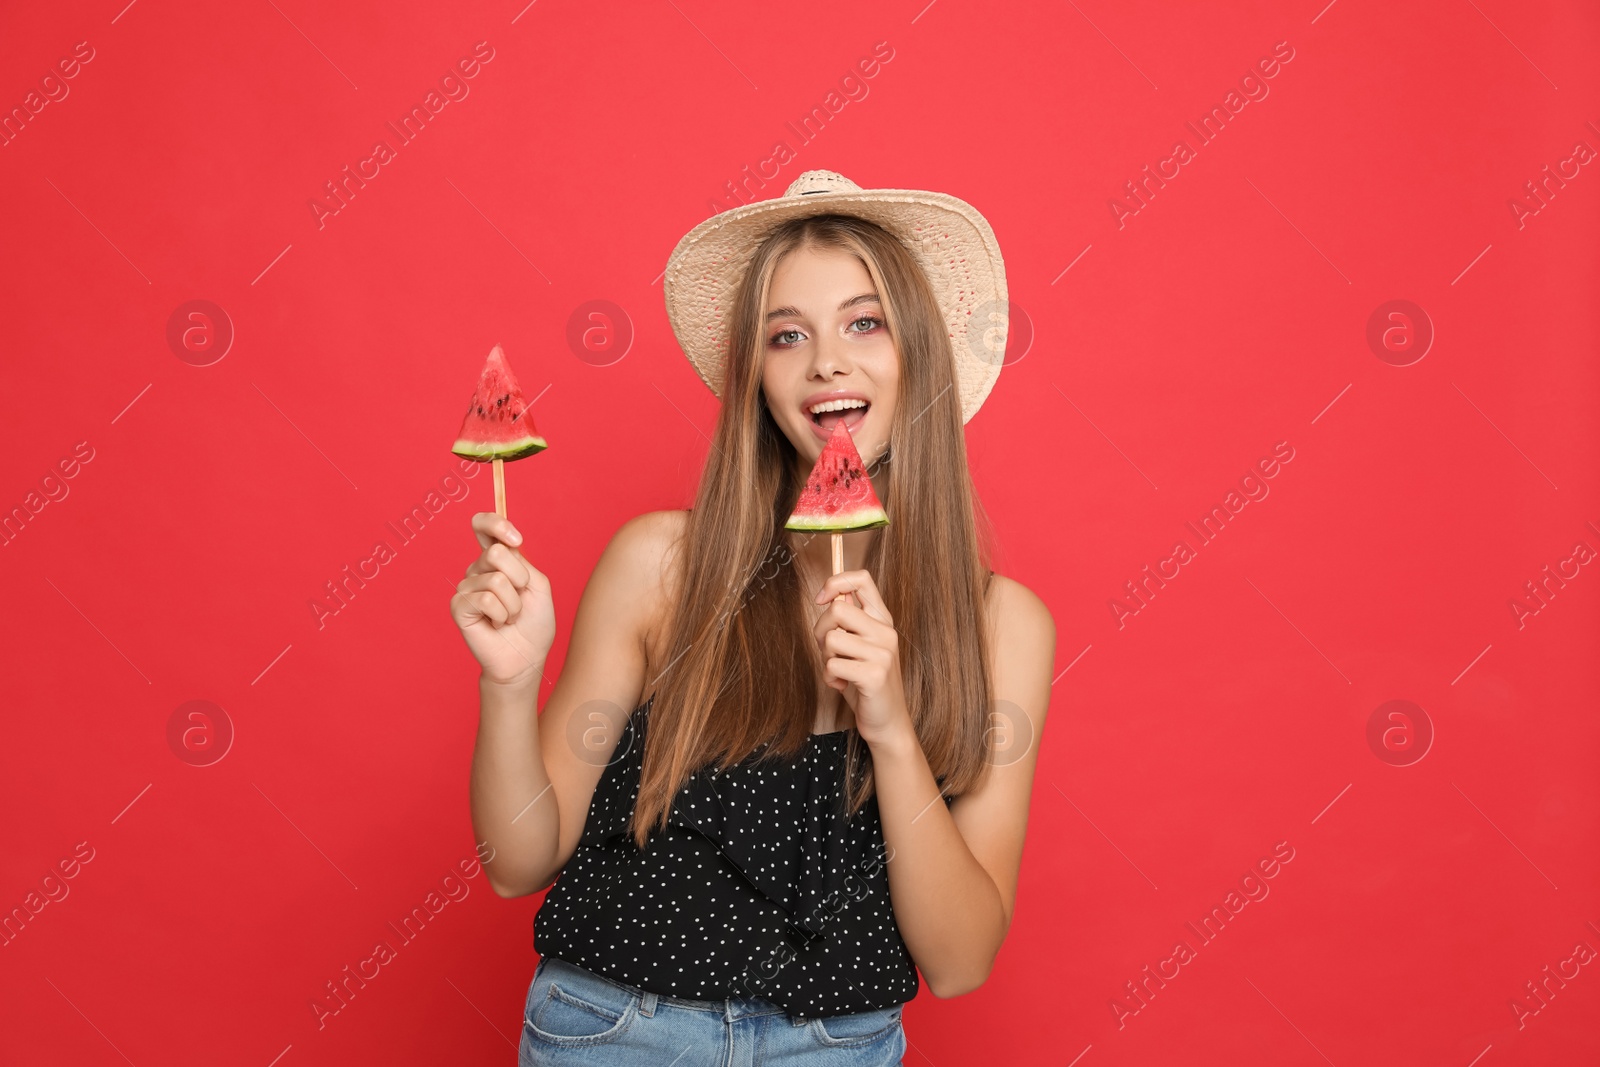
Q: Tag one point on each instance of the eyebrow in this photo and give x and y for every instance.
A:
(864, 298)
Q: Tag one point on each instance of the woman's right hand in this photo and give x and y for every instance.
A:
(503, 606)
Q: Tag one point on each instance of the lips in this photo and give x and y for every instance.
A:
(853, 418)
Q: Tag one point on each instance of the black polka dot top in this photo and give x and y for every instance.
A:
(757, 887)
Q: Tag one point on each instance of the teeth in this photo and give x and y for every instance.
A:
(837, 405)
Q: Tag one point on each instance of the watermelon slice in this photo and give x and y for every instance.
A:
(499, 423)
(838, 496)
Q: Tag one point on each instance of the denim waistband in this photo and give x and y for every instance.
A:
(728, 1007)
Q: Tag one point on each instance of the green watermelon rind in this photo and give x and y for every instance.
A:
(860, 519)
(815, 512)
(497, 395)
(484, 451)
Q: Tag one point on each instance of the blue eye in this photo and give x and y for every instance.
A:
(867, 318)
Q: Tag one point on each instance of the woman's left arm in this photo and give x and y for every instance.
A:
(952, 871)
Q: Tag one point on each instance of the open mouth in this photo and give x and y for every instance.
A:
(850, 416)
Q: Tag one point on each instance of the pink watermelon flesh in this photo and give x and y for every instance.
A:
(838, 496)
(499, 423)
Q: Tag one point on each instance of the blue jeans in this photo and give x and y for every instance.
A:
(574, 1016)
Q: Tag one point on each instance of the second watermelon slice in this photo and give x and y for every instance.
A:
(499, 422)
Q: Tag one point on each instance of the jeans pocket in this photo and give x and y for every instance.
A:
(858, 1028)
(567, 1008)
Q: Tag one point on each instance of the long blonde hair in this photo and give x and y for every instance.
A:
(741, 663)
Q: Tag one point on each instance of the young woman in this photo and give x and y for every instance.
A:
(753, 863)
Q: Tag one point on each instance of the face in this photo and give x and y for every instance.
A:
(826, 334)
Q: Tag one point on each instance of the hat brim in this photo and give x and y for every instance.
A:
(949, 239)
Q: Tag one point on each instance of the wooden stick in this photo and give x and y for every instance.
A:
(500, 487)
(838, 561)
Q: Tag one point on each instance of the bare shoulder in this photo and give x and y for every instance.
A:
(1022, 650)
(1018, 613)
(651, 544)
(649, 537)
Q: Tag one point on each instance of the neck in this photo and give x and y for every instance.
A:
(815, 550)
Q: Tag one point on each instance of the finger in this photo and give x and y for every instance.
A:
(496, 585)
(833, 588)
(846, 671)
(490, 527)
(861, 584)
(844, 615)
(515, 565)
(510, 563)
(851, 646)
(480, 604)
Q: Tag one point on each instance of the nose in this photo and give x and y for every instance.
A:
(830, 356)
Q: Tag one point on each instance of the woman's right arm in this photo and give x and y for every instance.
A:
(533, 774)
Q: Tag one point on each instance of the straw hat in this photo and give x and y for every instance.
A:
(954, 245)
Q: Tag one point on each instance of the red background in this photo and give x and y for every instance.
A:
(1229, 713)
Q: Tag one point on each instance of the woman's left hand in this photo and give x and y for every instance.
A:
(861, 654)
